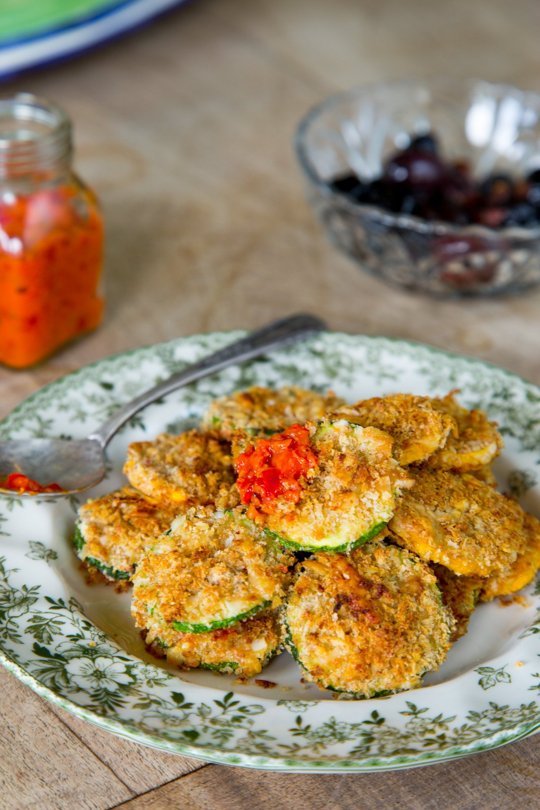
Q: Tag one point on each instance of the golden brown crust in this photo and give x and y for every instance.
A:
(367, 623)
(118, 527)
(459, 522)
(460, 595)
(522, 571)
(485, 474)
(192, 468)
(264, 410)
(210, 568)
(92, 576)
(416, 426)
(350, 492)
(242, 650)
(476, 444)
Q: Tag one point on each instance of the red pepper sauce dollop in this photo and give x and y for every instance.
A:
(274, 470)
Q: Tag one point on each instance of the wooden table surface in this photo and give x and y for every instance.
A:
(185, 128)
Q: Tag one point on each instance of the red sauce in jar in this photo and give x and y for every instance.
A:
(51, 235)
(50, 264)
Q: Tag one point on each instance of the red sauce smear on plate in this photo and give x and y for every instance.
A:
(275, 469)
(17, 482)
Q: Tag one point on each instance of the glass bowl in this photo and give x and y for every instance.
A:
(496, 128)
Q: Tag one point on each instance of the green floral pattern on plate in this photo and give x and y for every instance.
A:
(59, 637)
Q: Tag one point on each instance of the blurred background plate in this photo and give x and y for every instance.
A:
(38, 32)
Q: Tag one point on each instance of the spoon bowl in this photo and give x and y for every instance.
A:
(73, 464)
(78, 464)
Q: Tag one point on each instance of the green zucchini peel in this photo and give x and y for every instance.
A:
(225, 667)
(107, 570)
(364, 538)
(219, 624)
(78, 539)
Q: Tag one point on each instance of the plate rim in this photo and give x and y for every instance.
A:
(56, 45)
(101, 9)
(371, 763)
(234, 334)
(282, 764)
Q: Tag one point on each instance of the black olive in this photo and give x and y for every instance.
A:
(522, 214)
(346, 184)
(425, 143)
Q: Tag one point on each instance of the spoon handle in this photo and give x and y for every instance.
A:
(277, 333)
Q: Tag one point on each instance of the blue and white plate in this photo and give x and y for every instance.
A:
(38, 32)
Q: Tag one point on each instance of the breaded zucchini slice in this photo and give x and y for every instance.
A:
(242, 649)
(260, 410)
(416, 426)
(368, 624)
(476, 443)
(210, 571)
(460, 522)
(192, 468)
(321, 486)
(460, 595)
(113, 531)
(485, 474)
(522, 571)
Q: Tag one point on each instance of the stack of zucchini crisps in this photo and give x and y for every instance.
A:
(358, 537)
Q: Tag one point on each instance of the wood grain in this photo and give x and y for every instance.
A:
(185, 130)
(43, 764)
(495, 779)
(142, 768)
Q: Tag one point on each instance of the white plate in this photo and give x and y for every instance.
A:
(76, 645)
(36, 33)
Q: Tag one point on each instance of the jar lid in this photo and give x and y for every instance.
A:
(33, 133)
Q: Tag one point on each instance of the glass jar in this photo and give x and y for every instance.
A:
(51, 235)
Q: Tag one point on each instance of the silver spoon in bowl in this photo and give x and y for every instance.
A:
(78, 464)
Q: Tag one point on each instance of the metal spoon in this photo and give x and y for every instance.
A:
(77, 464)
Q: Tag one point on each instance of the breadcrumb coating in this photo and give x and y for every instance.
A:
(348, 497)
(260, 410)
(460, 595)
(369, 623)
(118, 527)
(192, 468)
(211, 570)
(459, 522)
(522, 571)
(215, 585)
(241, 650)
(476, 444)
(416, 426)
(485, 474)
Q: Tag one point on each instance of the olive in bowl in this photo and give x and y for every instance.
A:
(432, 186)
